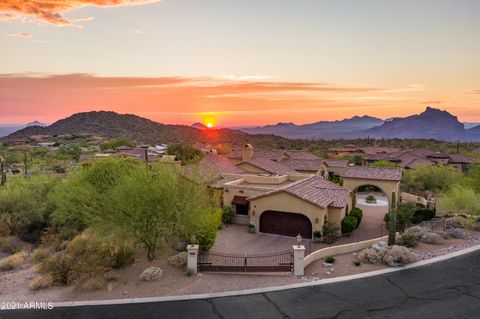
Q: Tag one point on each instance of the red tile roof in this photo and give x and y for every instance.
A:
(315, 190)
(336, 163)
(270, 166)
(379, 173)
(303, 164)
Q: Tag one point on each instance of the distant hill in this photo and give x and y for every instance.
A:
(142, 130)
(317, 130)
(199, 126)
(36, 123)
(432, 123)
(9, 129)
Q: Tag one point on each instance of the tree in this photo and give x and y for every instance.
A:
(185, 153)
(113, 144)
(459, 200)
(431, 178)
(22, 201)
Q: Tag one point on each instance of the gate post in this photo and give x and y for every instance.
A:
(298, 262)
(192, 260)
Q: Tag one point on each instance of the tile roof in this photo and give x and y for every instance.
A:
(303, 164)
(336, 163)
(315, 190)
(211, 167)
(275, 154)
(419, 156)
(379, 173)
(269, 165)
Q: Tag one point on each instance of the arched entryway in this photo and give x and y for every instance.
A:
(286, 224)
(374, 203)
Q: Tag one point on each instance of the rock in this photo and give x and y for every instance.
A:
(376, 248)
(178, 260)
(151, 273)
(431, 238)
(456, 222)
(110, 286)
(455, 233)
(382, 243)
(327, 265)
(416, 231)
(395, 256)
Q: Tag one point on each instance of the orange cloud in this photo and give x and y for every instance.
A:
(51, 11)
(21, 34)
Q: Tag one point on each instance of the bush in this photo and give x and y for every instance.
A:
(39, 255)
(357, 262)
(370, 256)
(330, 259)
(371, 199)
(228, 215)
(178, 260)
(394, 256)
(404, 216)
(40, 282)
(349, 224)
(330, 233)
(189, 272)
(423, 214)
(408, 240)
(251, 229)
(94, 283)
(9, 245)
(14, 261)
(357, 213)
(456, 222)
(317, 234)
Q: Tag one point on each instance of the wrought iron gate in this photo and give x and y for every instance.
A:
(219, 262)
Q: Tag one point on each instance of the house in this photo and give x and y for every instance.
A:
(286, 192)
(412, 158)
(340, 152)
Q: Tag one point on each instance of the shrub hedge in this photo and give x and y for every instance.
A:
(349, 224)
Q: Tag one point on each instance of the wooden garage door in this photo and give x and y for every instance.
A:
(286, 224)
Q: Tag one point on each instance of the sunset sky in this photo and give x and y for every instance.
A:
(247, 62)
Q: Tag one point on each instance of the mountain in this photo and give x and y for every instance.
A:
(432, 123)
(142, 130)
(36, 123)
(469, 125)
(317, 130)
(199, 126)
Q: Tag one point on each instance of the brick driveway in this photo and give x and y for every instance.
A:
(237, 239)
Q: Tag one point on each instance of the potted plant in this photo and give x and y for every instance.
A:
(371, 199)
(251, 228)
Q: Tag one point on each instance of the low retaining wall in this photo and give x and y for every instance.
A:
(341, 249)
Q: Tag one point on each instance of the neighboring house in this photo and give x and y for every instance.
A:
(339, 152)
(412, 158)
(280, 192)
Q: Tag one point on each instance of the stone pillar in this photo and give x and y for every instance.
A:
(192, 260)
(298, 263)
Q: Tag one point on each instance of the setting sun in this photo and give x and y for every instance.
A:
(210, 120)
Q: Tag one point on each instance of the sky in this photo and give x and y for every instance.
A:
(244, 62)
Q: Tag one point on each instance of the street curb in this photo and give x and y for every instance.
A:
(266, 289)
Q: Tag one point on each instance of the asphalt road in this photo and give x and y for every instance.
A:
(447, 289)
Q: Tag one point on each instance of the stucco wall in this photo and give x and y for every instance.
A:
(285, 202)
(228, 195)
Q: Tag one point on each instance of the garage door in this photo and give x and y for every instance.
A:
(286, 224)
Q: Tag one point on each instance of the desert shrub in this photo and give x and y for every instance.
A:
(394, 256)
(93, 283)
(205, 227)
(330, 233)
(118, 251)
(357, 262)
(9, 245)
(408, 240)
(430, 178)
(404, 213)
(178, 260)
(40, 282)
(13, 261)
(228, 215)
(459, 199)
(357, 213)
(349, 224)
(189, 272)
(370, 256)
(456, 222)
(317, 234)
(39, 255)
(423, 214)
(330, 259)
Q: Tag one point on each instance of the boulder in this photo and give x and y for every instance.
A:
(151, 273)
(417, 231)
(455, 233)
(456, 222)
(431, 238)
(178, 260)
(395, 256)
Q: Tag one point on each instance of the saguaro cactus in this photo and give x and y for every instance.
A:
(392, 227)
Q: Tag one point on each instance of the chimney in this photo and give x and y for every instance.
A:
(247, 152)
